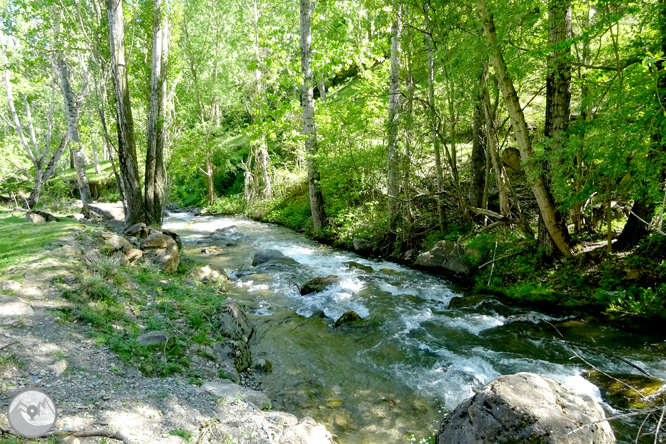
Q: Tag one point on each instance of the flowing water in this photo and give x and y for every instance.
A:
(393, 375)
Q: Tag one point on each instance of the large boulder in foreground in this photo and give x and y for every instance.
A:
(445, 257)
(524, 409)
(161, 250)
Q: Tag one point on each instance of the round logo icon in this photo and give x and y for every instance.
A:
(32, 413)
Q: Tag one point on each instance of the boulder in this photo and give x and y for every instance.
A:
(161, 250)
(118, 243)
(39, 217)
(347, 318)
(229, 390)
(120, 257)
(523, 409)
(155, 338)
(319, 284)
(137, 230)
(511, 158)
(274, 256)
(233, 322)
(175, 237)
(134, 255)
(225, 358)
(627, 390)
(362, 246)
(263, 366)
(10, 286)
(92, 257)
(105, 211)
(356, 265)
(14, 311)
(69, 251)
(445, 257)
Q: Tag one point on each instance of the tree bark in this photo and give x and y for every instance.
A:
(154, 176)
(309, 129)
(129, 168)
(537, 181)
(72, 116)
(393, 161)
(478, 157)
(558, 98)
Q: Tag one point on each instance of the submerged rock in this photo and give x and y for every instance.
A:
(347, 318)
(523, 409)
(626, 390)
(275, 256)
(356, 265)
(445, 257)
(319, 284)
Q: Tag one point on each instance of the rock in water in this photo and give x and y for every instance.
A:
(233, 322)
(356, 265)
(446, 256)
(275, 256)
(347, 318)
(161, 250)
(625, 390)
(524, 409)
(319, 284)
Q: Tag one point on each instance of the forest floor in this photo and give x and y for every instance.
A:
(57, 336)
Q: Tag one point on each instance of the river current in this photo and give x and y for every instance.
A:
(391, 377)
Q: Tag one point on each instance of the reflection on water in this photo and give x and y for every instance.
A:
(410, 359)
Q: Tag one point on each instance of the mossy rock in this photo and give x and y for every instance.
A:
(467, 301)
(626, 390)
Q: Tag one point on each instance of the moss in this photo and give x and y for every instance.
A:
(625, 390)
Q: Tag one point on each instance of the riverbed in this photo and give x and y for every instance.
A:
(392, 376)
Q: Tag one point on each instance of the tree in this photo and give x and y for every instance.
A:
(309, 129)
(393, 162)
(129, 166)
(154, 178)
(537, 182)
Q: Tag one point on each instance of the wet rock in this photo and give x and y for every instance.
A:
(155, 338)
(233, 322)
(356, 265)
(10, 286)
(347, 318)
(626, 390)
(161, 250)
(445, 257)
(467, 301)
(318, 314)
(206, 274)
(523, 409)
(39, 217)
(105, 211)
(229, 390)
(319, 284)
(231, 244)
(14, 312)
(264, 366)
(274, 256)
(211, 250)
(362, 246)
(120, 258)
(118, 243)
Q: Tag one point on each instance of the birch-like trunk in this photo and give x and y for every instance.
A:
(72, 116)
(309, 129)
(478, 156)
(537, 181)
(154, 177)
(439, 171)
(129, 168)
(393, 160)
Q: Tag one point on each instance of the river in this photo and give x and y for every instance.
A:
(390, 377)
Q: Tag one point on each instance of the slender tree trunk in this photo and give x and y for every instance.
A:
(478, 156)
(210, 179)
(409, 131)
(309, 129)
(154, 176)
(558, 98)
(537, 181)
(439, 171)
(493, 150)
(393, 160)
(129, 168)
(72, 115)
(45, 175)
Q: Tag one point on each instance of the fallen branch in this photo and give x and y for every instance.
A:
(79, 434)
(7, 345)
(501, 257)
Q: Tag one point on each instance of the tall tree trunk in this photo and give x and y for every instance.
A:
(309, 130)
(537, 181)
(129, 168)
(409, 130)
(154, 177)
(72, 115)
(393, 160)
(478, 156)
(45, 175)
(439, 171)
(558, 98)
